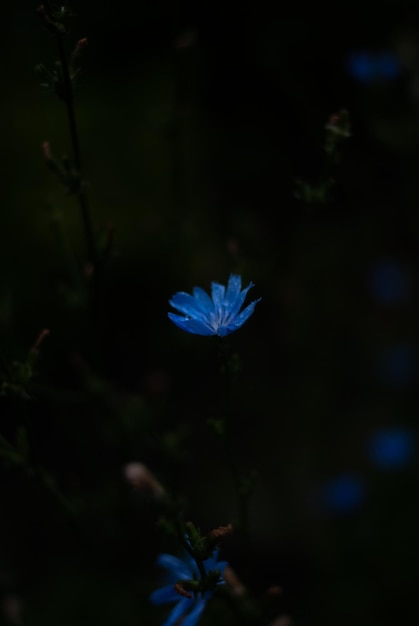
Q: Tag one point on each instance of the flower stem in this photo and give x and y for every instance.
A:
(227, 366)
(82, 197)
(187, 546)
(66, 251)
(13, 456)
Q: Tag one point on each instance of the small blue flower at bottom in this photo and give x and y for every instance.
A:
(185, 569)
(219, 315)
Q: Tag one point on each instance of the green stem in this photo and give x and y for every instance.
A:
(82, 197)
(6, 448)
(227, 440)
(12, 454)
(181, 533)
(67, 253)
(49, 484)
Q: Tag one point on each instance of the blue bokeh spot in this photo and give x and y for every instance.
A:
(391, 447)
(344, 494)
(388, 65)
(373, 67)
(359, 66)
(389, 282)
(398, 366)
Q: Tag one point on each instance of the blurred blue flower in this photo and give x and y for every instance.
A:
(218, 315)
(344, 493)
(398, 366)
(391, 447)
(389, 281)
(373, 67)
(185, 569)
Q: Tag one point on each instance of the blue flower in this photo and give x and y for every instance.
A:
(218, 315)
(185, 569)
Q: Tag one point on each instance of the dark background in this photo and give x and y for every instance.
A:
(195, 121)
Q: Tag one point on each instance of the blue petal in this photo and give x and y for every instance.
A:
(164, 595)
(191, 326)
(211, 563)
(223, 331)
(237, 305)
(217, 293)
(187, 304)
(204, 301)
(233, 291)
(191, 564)
(179, 610)
(195, 614)
(221, 565)
(176, 566)
(238, 321)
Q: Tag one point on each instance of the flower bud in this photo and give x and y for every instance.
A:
(12, 609)
(141, 478)
(233, 581)
(283, 620)
(219, 533)
(274, 590)
(80, 45)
